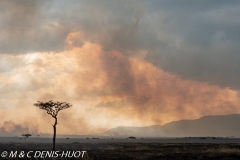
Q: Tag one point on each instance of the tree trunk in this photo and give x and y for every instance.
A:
(54, 134)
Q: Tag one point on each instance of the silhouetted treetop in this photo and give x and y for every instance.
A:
(26, 135)
(52, 107)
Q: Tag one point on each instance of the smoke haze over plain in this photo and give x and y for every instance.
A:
(131, 63)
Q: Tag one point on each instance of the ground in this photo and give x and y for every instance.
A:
(134, 150)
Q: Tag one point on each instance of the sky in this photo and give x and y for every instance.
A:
(118, 63)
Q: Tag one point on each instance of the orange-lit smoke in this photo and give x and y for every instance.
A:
(106, 88)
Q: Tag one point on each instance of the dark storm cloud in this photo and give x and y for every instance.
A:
(194, 39)
(26, 27)
(205, 43)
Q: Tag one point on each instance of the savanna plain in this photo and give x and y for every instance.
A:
(133, 149)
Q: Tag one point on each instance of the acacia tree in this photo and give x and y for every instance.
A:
(53, 108)
(26, 136)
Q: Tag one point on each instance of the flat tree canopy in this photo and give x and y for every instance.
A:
(26, 135)
(52, 108)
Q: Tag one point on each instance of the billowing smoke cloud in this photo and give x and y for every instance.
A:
(196, 40)
(106, 89)
(9, 128)
(119, 63)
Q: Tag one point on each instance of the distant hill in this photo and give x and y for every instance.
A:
(220, 125)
